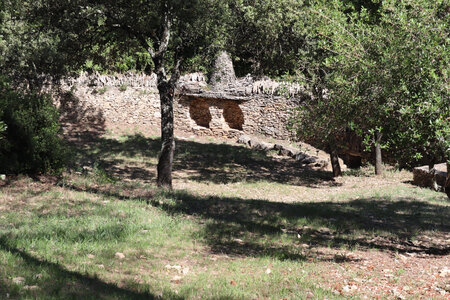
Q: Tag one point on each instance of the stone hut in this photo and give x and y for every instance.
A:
(229, 106)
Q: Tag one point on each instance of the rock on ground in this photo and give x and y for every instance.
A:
(244, 139)
(423, 176)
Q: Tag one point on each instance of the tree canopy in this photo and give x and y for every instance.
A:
(382, 75)
(169, 34)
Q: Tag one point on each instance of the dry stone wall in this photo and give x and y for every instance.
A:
(250, 106)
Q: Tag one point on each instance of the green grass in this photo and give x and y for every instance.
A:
(101, 91)
(241, 214)
(65, 248)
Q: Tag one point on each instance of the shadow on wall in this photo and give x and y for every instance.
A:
(79, 118)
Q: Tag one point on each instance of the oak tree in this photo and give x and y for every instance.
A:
(171, 32)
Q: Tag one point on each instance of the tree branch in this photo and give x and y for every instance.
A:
(176, 72)
(165, 38)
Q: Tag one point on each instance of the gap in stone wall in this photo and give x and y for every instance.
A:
(233, 115)
(199, 112)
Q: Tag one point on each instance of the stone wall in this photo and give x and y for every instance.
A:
(133, 100)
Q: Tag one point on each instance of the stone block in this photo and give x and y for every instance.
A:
(422, 176)
(244, 139)
(301, 156)
(262, 146)
(288, 151)
(310, 160)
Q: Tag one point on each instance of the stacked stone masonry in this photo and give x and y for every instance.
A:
(247, 105)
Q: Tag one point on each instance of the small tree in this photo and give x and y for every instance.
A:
(386, 79)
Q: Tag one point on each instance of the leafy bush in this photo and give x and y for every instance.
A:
(31, 140)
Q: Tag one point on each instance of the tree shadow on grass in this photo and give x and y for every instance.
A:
(241, 226)
(47, 280)
(296, 231)
(201, 162)
(224, 163)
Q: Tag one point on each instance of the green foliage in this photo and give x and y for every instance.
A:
(127, 35)
(27, 51)
(31, 143)
(267, 37)
(101, 90)
(384, 70)
(123, 87)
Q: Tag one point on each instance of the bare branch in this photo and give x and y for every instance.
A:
(176, 72)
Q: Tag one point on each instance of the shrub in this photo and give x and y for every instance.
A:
(31, 141)
(123, 87)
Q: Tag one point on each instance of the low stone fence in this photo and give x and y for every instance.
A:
(133, 100)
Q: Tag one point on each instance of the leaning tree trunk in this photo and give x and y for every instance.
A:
(378, 157)
(166, 93)
(335, 163)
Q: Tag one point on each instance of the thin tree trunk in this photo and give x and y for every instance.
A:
(447, 181)
(166, 88)
(378, 157)
(335, 163)
(166, 92)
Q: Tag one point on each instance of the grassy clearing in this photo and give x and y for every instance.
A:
(61, 243)
(241, 225)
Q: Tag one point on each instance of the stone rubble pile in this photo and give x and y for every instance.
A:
(300, 156)
(247, 86)
(224, 84)
(117, 80)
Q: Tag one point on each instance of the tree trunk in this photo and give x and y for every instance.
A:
(166, 93)
(378, 158)
(447, 181)
(335, 163)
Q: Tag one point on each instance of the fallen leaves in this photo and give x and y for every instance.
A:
(388, 275)
(180, 269)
